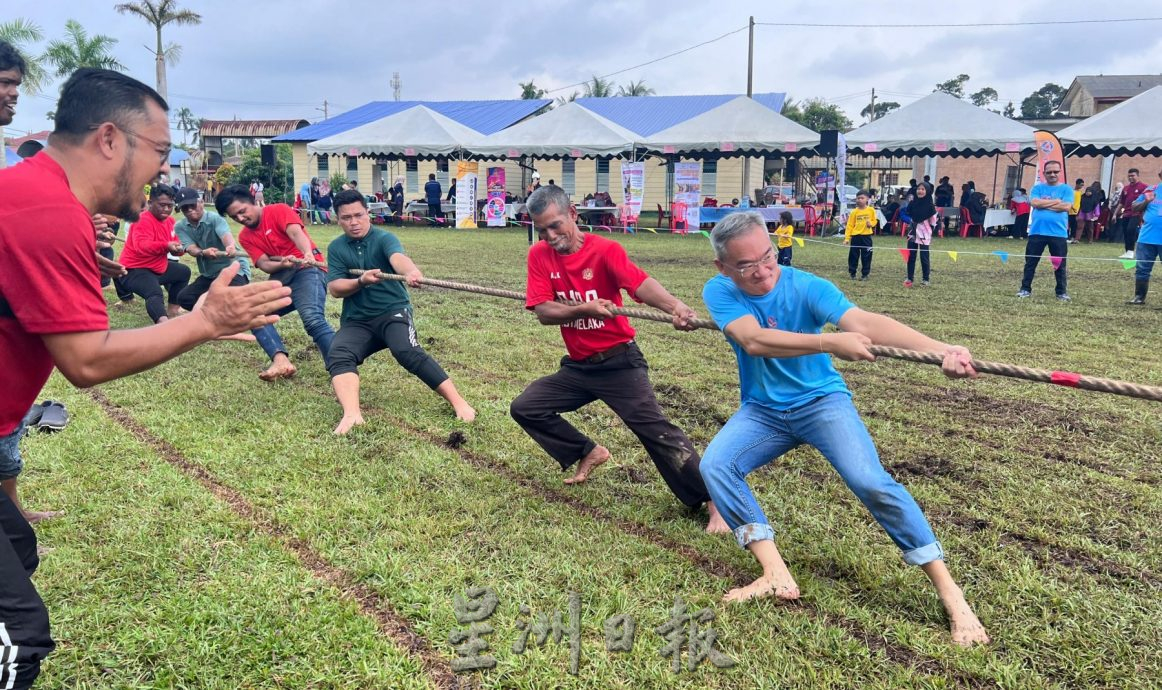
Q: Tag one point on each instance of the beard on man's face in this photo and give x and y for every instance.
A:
(127, 206)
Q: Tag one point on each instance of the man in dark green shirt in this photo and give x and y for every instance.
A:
(377, 313)
(205, 236)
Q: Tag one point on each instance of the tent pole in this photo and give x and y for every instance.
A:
(996, 163)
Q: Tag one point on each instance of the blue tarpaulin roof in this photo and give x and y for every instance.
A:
(176, 157)
(485, 117)
(11, 157)
(648, 115)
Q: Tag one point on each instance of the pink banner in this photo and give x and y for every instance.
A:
(494, 210)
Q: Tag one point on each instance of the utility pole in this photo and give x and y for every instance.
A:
(326, 114)
(396, 85)
(873, 106)
(749, 94)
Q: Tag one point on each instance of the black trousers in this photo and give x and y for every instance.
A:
(24, 632)
(1130, 231)
(358, 340)
(925, 265)
(123, 293)
(1021, 226)
(861, 250)
(1033, 250)
(435, 213)
(189, 295)
(144, 282)
(784, 256)
(622, 382)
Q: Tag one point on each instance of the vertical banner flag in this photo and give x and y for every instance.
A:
(494, 209)
(825, 182)
(1049, 149)
(688, 179)
(841, 173)
(633, 177)
(466, 194)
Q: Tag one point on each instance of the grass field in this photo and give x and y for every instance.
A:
(218, 535)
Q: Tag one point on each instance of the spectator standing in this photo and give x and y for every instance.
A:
(1089, 209)
(432, 194)
(1078, 191)
(1149, 242)
(924, 218)
(784, 232)
(1051, 201)
(858, 233)
(1130, 218)
(1019, 205)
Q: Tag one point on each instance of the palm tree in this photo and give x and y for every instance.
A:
(78, 50)
(188, 123)
(19, 33)
(598, 88)
(530, 91)
(159, 13)
(635, 88)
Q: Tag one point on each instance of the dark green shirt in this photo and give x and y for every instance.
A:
(373, 251)
(208, 233)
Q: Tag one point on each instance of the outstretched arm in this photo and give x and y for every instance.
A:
(652, 293)
(884, 330)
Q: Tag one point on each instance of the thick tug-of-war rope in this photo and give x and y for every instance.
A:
(1060, 378)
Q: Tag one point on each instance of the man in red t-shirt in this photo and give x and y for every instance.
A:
(146, 257)
(274, 237)
(1130, 220)
(603, 362)
(111, 138)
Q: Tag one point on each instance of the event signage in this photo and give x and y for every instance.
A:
(1012, 147)
(494, 208)
(841, 172)
(688, 180)
(790, 147)
(466, 172)
(1048, 149)
(633, 176)
(409, 152)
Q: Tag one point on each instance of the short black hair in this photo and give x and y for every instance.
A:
(93, 96)
(1047, 164)
(162, 190)
(349, 196)
(10, 58)
(431, 176)
(232, 193)
(1133, 170)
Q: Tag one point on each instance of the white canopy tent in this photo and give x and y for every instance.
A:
(741, 126)
(941, 125)
(1130, 127)
(568, 131)
(416, 132)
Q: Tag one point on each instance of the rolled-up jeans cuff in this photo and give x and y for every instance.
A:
(925, 554)
(754, 531)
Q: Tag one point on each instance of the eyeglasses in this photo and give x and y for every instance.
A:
(748, 269)
(162, 149)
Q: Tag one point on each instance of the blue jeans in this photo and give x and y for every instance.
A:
(11, 463)
(308, 296)
(1145, 255)
(756, 435)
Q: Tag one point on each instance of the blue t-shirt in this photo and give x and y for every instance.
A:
(801, 303)
(1151, 232)
(1046, 222)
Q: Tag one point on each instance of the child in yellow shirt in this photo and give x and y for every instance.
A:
(783, 233)
(860, 226)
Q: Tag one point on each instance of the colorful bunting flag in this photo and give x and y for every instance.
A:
(704, 234)
(953, 255)
(799, 240)
(651, 230)
(906, 253)
(1129, 264)
(1004, 256)
(1056, 261)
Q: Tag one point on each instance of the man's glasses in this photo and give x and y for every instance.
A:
(748, 269)
(160, 148)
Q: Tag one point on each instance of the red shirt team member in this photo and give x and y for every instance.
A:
(272, 235)
(146, 256)
(603, 362)
(111, 138)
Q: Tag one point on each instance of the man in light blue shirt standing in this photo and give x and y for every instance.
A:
(1149, 246)
(1049, 227)
(792, 395)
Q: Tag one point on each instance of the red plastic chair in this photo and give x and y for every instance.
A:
(678, 217)
(662, 216)
(967, 223)
(811, 220)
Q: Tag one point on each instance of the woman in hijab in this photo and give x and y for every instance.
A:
(922, 211)
(396, 192)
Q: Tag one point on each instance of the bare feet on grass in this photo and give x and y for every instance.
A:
(967, 629)
(777, 585)
(464, 411)
(280, 368)
(347, 423)
(716, 525)
(35, 516)
(590, 462)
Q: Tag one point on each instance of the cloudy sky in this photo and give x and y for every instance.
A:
(266, 59)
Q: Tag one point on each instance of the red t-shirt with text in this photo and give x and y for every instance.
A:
(148, 243)
(270, 236)
(48, 277)
(599, 270)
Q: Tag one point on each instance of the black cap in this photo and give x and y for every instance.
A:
(187, 196)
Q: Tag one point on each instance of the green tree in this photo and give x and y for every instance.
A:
(882, 108)
(562, 100)
(816, 114)
(1043, 102)
(279, 180)
(79, 50)
(1009, 111)
(635, 88)
(598, 88)
(188, 123)
(530, 91)
(985, 97)
(954, 86)
(160, 13)
(20, 33)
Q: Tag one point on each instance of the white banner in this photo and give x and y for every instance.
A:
(466, 172)
(633, 176)
(688, 180)
(841, 173)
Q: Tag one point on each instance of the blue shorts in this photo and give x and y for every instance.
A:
(10, 461)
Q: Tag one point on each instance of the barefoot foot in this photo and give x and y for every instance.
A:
(781, 586)
(241, 337)
(34, 516)
(716, 524)
(464, 412)
(278, 371)
(966, 628)
(346, 423)
(590, 462)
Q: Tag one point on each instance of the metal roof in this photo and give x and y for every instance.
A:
(485, 117)
(256, 129)
(1118, 85)
(649, 115)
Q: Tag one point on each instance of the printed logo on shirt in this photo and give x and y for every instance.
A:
(554, 275)
(587, 274)
(582, 324)
(771, 323)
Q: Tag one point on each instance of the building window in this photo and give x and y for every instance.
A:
(413, 176)
(569, 176)
(709, 178)
(442, 172)
(603, 175)
(1012, 179)
(352, 168)
(324, 168)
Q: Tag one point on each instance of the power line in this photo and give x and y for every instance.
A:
(814, 25)
(664, 57)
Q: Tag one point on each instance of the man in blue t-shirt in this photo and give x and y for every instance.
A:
(1051, 201)
(791, 394)
(1149, 240)
(432, 193)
